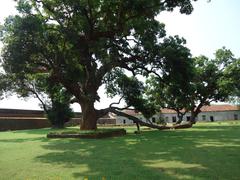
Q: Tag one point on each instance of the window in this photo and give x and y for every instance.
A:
(188, 118)
(174, 119)
(124, 121)
(204, 117)
(153, 119)
(235, 117)
(211, 118)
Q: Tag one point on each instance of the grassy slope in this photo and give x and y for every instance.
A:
(207, 151)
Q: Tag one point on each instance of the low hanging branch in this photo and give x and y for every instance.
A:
(136, 120)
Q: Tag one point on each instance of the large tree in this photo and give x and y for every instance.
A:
(231, 79)
(79, 42)
(171, 88)
(211, 82)
(196, 83)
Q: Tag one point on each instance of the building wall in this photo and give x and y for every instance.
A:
(25, 123)
(120, 120)
(17, 119)
(107, 121)
(206, 116)
(169, 117)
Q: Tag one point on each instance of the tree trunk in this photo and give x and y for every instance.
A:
(89, 116)
(180, 119)
(193, 117)
(138, 126)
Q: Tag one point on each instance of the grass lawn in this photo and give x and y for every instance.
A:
(206, 151)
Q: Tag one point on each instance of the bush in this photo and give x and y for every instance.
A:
(59, 114)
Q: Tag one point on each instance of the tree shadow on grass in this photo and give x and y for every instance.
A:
(180, 154)
(113, 158)
(24, 136)
(21, 140)
(42, 131)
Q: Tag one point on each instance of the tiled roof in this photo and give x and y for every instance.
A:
(225, 107)
(211, 108)
(167, 111)
(131, 112)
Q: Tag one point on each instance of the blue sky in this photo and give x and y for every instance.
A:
(210, 26)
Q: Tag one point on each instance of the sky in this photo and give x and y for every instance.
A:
(211, 26)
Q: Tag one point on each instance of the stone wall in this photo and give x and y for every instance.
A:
(16, 123)
(17, 119)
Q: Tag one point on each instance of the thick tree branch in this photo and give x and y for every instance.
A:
(138, 121)
(34, 92)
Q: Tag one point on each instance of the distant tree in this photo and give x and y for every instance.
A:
(58, 109)
(171, 88)
(210, 82)
(231, 80)
(53, 98)
(80, 42)
(198, 83)
(3, 85)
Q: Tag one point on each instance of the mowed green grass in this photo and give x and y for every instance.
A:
(206, 151)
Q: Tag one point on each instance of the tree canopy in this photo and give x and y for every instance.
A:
(78, 43)
(205, 81)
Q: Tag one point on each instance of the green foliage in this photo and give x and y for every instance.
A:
(230, 82)
(78, 43)
(59, 111)
(206, 81)
(131, 90)
(224, 57)
(217, 79)
(171, 87)
(53, 98)
(189, 83)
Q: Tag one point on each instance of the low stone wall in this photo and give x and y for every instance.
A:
(19, 123)
(21, 113)
(18, 119)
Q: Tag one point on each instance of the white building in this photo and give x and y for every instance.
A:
(120, 120)
(208, 113)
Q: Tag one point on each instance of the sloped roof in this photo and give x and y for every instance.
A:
(167, 111)
(131, 112)
(211, 108)
(226, 107)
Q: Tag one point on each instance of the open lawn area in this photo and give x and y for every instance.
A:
(206, 151)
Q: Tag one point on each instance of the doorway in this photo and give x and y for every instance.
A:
(211, 118)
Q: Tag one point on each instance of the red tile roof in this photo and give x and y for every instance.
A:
(167, 111)
(131, 112)
(226, 107)
(211, 108)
